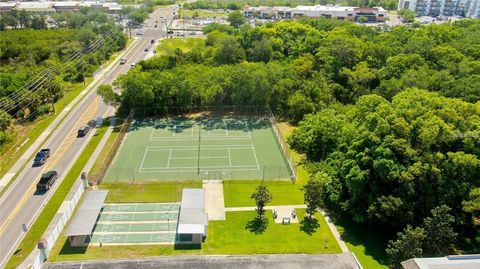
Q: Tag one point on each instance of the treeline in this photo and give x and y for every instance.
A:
(22, 19)
(239, 4)
(389, 120)
(73, 52)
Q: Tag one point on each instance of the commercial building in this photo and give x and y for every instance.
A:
(375, 14)
(46, 8)
(436, 8)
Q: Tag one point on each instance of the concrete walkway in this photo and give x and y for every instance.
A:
(214, 202)
(335, 232)
(273, 207)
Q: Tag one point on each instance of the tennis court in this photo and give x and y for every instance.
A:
(136, 224)
(205, 147)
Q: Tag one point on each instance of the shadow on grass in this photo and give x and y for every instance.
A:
(309, 225)
(257, 225)
(373, 239)
(67, 249)
(187, 246)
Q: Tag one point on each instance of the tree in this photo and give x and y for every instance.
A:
(5, 120)
(408, 245)
(236, 19)
(108, 95)
(439, 234)
(261, 51)
(262, 197)
(472, 205)
(39, 22)
(313, 193)
(229, 52)
(299, 106)
(407, 15)
(363, 19)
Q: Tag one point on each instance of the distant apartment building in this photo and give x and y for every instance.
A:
(376, 14)
(435, 8)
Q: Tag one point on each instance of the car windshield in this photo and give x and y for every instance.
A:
(39, 156)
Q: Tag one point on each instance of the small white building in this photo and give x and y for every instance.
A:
(193, 221)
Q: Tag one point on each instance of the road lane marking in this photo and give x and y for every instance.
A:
(90, 111)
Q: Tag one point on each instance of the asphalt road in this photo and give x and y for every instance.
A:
(278, 261)
(21, 203)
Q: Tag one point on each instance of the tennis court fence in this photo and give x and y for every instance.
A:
(283, 146)
(97, 178)
(132, 174)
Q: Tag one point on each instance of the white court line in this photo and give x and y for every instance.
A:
(229, 157)
(255, 154)
(186, 158)
(212, 138)
(206, 146)
(195, 169)
(169, 158)
(143, 159)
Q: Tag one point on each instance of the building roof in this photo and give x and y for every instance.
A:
(448, 262)
(87, 214)
(192, 219)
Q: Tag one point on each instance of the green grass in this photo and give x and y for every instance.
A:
(167, 46)
(147, 192)
(49, 211)
(237, 192)
(33, 130)
(224, 237)
(202, 13)
(367, 244)
(101, 158)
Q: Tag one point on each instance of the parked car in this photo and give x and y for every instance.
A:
(41, 157)
(132, 65)
(192, 33)
(152, 41)
(83, 131)
(47, 180)
(146, 49)
(170, 32)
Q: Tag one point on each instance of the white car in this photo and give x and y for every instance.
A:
(132, 65)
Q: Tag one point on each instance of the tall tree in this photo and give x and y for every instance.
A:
(439, 234)
(407, 246)
(236, 19)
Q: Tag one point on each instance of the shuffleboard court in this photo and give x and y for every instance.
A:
(200, 147)
(123, 224)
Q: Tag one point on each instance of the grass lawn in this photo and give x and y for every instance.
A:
(202, 13)
(101, 158)
(147, 192)
(367, 244)
(224, 237)
(168, 46)
(38, 228)
(31, 131)
(238, 192)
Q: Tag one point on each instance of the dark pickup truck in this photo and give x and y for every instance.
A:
(41, 157)
(47, 180)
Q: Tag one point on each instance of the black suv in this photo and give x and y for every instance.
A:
(41, 157)
(47, 180)
(83, 131)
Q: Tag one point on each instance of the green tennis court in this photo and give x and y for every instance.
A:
(136, 224)
(205, 147)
